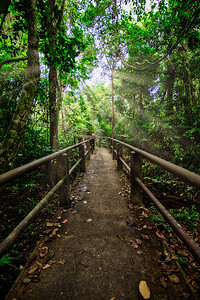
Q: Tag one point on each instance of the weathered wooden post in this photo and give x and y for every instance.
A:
(91, 146)
(82, 156)
(114, 149)
(136, 171)
(99, 142)
(63, 172)
(93, 143)
(88, 150)
(119, 154)
(110, 145)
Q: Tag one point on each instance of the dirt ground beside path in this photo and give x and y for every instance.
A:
(103, 250)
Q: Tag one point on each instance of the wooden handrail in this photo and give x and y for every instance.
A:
(8, 176)
(12, 174)
(182, 173)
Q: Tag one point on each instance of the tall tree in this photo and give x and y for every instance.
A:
(18, 123)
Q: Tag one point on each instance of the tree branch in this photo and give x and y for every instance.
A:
(12, 60)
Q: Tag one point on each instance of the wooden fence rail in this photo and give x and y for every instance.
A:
(137, 186)
(62, 174)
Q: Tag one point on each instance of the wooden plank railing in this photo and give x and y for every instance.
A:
(137, 186)
(62, 186)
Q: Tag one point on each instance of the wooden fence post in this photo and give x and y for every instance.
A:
(136, 171)
(99, 142)
(63, 171)
(82, 155)
(91, 146)
(119, 154)
(88, 150)
(114, 148)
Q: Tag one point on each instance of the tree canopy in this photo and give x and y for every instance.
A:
(147, 91)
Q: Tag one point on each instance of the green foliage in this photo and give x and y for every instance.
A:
(189, 216)
(7, 260)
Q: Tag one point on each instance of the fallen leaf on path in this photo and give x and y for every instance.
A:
(133, 244)
(139, 242)
(139, 252)
(64, 221)
(89, 220)
(162, 280)
(48, 224)
(43, 251)
(160, 235)
(32, 268)
(53, 232)
(59, 235)
(26, 280)
(144, 215)
(144, 289)
(46, 266)
(145, 237)
(62, 261)
(174, 278)
(59, 217)
(113, 298)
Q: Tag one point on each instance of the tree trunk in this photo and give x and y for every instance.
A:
(53, 105)
(141, 104)
(53, 109)
(61, 105)
(113, 113)
(169, 87)
(133, 114)
(19, 120)
(188, 86)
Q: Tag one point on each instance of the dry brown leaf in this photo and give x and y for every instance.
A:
(160, 235)
(33, 268)
(62, 261)
(43, 251)
(48, 224)
(64, 221)
(162, 280)
(139, 242)
(53, 232)
(144, 215)
(46, 266)
(144, 289)
(144, 236)
(174, 278)
(133, 244)
(139, 252)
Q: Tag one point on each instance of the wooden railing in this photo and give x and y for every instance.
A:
(137, 186)
(61, 168)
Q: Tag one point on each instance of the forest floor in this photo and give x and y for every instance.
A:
(101, 248)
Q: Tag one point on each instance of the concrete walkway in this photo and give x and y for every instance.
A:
(93, 256)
